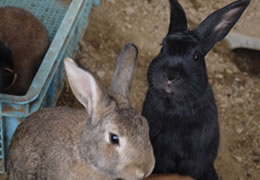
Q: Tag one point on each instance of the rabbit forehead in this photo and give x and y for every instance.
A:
(126, 122)
(181, 43)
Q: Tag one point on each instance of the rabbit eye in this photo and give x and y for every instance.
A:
(196, 57)
(114, 139)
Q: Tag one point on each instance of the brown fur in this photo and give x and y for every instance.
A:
(28, 40)
(68, 144)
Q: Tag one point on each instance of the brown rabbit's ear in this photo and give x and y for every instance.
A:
(91, 94)
(124, 71)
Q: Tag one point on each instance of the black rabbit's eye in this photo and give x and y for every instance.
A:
(114, 139)
(196, 57)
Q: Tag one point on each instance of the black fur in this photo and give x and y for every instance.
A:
(6, 61)
(180, 105)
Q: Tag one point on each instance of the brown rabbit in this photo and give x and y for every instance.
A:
(107, 140)
(27, 38)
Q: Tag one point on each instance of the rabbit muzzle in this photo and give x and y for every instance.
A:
(171, 75)
(171, 79)
(141, 167)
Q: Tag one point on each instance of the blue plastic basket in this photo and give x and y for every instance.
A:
(66, 23)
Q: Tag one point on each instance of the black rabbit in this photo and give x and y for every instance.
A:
(6, 66)
(180, 105)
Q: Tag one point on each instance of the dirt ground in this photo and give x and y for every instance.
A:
(234, 75)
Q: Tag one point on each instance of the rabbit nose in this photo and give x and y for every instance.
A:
(141, 174)
(145, 171)
(172, 76)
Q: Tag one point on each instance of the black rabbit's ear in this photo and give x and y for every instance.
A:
(217, 25)
(178, 21)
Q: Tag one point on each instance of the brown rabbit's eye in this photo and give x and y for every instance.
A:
(114, 139)
(196, 57)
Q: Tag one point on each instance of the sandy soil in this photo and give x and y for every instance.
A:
(234, 75)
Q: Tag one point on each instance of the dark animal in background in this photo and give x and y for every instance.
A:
(27, 39)
(106, 140)
(179, 105)
(6, 66)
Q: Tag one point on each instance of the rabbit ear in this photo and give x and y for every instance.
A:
(124, 71)
(217, 25)
(178, 21)
(85, 87)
